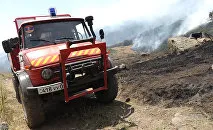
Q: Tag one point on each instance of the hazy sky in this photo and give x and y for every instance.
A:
(105, 12)
(11, 9)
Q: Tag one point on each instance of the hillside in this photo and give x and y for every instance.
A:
(172, 80)
(207, 28)
(4, 64)
(160, 90)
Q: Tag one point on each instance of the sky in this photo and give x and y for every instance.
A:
(11, 9)
(107, 13)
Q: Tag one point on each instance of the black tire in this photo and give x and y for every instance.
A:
(6, 46)
(15, 85)
(107, 96)
(33, 110)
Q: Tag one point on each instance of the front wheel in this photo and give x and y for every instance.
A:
(107, 96)
(33, 109)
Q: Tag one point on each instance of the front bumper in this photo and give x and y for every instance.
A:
(36, 90)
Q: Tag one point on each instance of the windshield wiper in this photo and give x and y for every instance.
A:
(41, 40)
(65, 38)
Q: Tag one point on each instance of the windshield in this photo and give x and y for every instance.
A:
(49, 33)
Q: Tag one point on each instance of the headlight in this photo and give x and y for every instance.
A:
(46, 74)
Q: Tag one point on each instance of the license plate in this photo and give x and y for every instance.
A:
(50, 88)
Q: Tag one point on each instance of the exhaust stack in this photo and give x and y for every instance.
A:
(89, 20)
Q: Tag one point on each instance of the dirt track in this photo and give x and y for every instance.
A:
(166, 91)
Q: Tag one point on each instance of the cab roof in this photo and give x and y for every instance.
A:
(25, 20)
(50, 19)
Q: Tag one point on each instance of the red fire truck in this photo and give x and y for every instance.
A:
(58, 55)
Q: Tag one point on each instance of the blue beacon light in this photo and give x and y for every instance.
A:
(52, 12)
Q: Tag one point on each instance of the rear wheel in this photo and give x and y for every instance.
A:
(107, 96)
(33, 109)
(15, 85)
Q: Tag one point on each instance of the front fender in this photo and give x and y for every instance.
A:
(24, 81)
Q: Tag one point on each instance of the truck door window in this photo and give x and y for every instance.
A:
(80, 32)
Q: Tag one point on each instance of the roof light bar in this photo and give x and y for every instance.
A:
(52, 12)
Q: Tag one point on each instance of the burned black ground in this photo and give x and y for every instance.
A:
(167, 79)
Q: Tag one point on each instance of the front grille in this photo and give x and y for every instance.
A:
(84, 68)
(81, 65)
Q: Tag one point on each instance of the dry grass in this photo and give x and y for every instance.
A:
(11, 110)
(5, 115)
(2, 103)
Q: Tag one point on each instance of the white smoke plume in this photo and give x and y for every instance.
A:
(150, 22)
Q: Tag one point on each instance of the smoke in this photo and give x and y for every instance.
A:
(197, 17)
(149, 23)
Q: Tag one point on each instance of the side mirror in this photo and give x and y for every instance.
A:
(101, 33)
